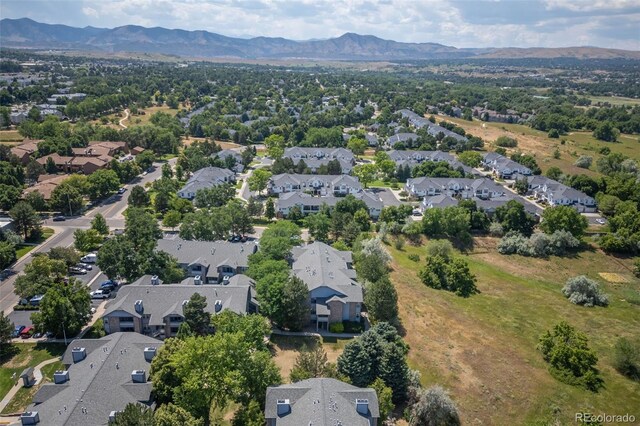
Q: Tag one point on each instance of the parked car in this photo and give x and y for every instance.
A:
(77, 271)
(89, 258)
(601, 221)
(86, 266)
(59, 218)
(108, 285)
(122, 190)
(35, 300)
(416, 213)
(27, 332)
(18, 330)
(37, 335)
(100, 294)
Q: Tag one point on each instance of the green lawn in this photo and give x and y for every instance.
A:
(23, 355)
(10, 137)
(615, 100)
(24, 395)
(483, 348)
(22, 250)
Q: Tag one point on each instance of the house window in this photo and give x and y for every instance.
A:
(196, 268)
(125, 319)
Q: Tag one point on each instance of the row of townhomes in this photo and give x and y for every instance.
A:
(502, 166)
(310, 192)
(206, 178)
(432, 128)
(101, 376)
(314, 158)
(445, 192)
(555, 193)
(414, 158)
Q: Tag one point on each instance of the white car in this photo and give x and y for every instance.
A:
(601, 221)
(100, 294)
(85, 266)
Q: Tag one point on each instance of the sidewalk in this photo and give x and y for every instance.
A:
(38, 376)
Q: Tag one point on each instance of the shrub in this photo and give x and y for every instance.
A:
(514, 243)
(506, 142)
(336, 327)
(449, 274)
(399, 243)
(570, 359)
(554, 133)
(626, 358)
(433, 408)
(538, 245)
(442, 248)
(636, 268)
(584, 291)
(414, 257)
(496, 230)
(584, 162)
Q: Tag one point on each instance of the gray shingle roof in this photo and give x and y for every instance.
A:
(95, 383)
(208, 253)
(433, 129)
(207, 178)
(320, 265)
(165, 299)
(321, 402)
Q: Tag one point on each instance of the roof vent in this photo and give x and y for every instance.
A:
(78, 354)
(362, 406)
(283, 407)
(155, 280)
(225, 279)
(218, 305)
(139, 376)
(112, 417)
(197, 280)
(149, 353)
(60, 377)
(139, 306)
(30, 418)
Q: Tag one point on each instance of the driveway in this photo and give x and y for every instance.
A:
(387, 196)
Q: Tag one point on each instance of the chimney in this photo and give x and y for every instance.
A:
(155, 280)
(149, 353)
(30, 418)
(218, 306)
(283, 407)
(139, 376)
(362, 406)
(197, 280)
(60, 377)
(78, 354)
(139, 306)
(112, 417)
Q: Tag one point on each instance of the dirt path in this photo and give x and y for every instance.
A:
(126, 117)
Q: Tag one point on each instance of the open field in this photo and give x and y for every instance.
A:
(285, 350)
(10, 137)
(139, 120)
(614, 100)
(483, 348)
(537, 143)
(23, 355)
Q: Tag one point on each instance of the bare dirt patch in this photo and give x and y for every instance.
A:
(614, 277)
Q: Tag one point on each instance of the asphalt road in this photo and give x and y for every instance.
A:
(111, 208)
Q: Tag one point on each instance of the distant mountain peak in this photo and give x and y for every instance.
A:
(27, 33)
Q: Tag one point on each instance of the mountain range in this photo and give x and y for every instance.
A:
(26, 33)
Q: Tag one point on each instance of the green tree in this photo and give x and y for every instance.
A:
(319, 225)
(275, 146)
(86, 241)
(145, 159)
(196, 316)
(312, 363)
(172, 415)
(366, 173)
(118, 258)
(449, 274)
(554, 173)
(605, 131)
(385, 398)
(25, 218)
(141, 228)
(167, 172)
(64, 310)
(39, 275)
(172, 219)
(251, 415)
(258, 180)
(521, 186)
(563, 218)
(254, 327)
(470, 158)
(295, 304)
(68, 255)
(6, 333)
(102, 183)
(99, 224)
(381, 300)
(569, 356)
(394, 371)
(9, 196)
(134, 414)
(50, 166)
(513, 217)
(36, 200)
(269, 210)
(66, 198)
(279, 238)
(215, 196)
(357, 145)
(34, 170)
(138, 197)
(7, 254)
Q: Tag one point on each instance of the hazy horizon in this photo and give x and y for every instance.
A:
(485, 23)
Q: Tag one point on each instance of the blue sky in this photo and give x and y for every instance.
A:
(471, 23)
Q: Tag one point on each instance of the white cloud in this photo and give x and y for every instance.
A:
(89, 11)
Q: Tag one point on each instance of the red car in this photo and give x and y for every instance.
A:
(27, 332)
